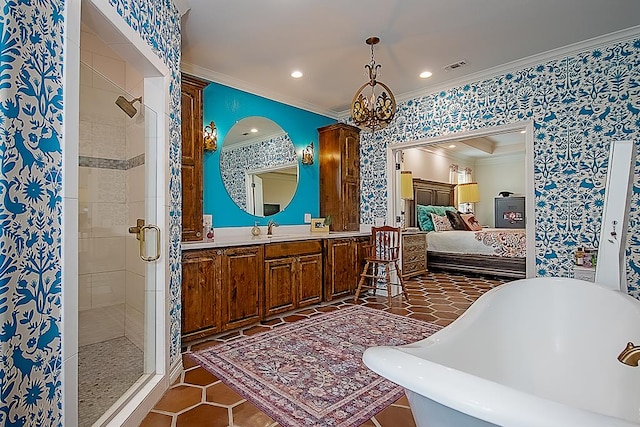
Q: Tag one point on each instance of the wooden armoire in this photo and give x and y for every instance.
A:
(340, 175)
(192, 153)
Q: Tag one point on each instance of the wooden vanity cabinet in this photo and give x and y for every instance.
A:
(192, 153)
(242, 285)
(343, 263)
(232, 287)
(200, 293)
(293, 275)
(339, 154)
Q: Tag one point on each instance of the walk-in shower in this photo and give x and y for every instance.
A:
(116, 319)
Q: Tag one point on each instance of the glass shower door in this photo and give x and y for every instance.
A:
(118, 246)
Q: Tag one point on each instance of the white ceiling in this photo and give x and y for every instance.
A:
(476, 148)
(255, 45)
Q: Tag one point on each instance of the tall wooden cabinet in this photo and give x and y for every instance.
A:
(340, 175)
(192, 152)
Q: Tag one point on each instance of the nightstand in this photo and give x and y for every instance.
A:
(414, 254)
(584, 273)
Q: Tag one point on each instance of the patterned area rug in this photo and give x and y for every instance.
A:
(310, 373)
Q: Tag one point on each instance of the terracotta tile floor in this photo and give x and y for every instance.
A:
(198, 398)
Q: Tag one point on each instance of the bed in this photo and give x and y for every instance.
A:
(495, 252)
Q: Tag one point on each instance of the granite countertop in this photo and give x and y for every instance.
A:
(243, 238)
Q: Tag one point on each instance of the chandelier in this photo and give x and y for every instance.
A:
(373, 106)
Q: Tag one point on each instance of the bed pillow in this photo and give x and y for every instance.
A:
(457, 223)
(424, 215)
(441, 222)
(471, 222)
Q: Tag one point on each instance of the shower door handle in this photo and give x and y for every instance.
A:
(142, 243)
(140, 231)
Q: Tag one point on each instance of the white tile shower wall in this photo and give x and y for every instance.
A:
(135, 138)
(111, 197)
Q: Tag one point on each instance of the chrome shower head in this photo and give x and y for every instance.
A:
(127, 106)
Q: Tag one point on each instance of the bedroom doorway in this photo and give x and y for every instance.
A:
(499, 158)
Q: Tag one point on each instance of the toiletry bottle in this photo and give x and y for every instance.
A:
(255, 230)
(580, 256)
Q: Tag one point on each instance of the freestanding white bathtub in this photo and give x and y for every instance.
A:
(533, 352)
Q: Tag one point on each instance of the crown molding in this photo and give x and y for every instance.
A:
(530, 61)
(223, 79)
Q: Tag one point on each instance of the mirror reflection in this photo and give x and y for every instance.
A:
(259, 166)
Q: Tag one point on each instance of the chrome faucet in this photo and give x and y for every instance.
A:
(270, 226)
(630, 355)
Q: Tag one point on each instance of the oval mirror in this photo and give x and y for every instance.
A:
(259, 166)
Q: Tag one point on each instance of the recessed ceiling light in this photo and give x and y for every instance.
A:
(452, 146)
(425, 74)
(297, 74)
(254, 130)
(523, 131)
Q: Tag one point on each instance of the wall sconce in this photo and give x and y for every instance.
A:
(307, 154)
(210, 136)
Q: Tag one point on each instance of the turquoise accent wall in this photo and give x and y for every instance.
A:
(225, 106)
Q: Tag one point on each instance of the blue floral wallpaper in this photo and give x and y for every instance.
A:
(32, 112)
(234, 163)
(579, 104)
(31, 105)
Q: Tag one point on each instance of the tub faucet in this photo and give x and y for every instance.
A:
(630, 355)
(270, 226)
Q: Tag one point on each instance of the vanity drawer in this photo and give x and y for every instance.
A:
(289, 249)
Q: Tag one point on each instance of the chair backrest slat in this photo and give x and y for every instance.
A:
(386, 242)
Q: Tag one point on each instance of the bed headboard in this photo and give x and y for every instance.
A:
(428, 193)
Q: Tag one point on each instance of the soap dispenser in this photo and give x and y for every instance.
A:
(255, 230)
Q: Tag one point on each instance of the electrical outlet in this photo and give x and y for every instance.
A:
(307, 218)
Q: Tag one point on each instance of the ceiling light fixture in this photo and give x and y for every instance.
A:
(376, 109)
(297, 74)
(425, 74)
(254, 130)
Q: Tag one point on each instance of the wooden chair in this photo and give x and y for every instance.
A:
(383, 253)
